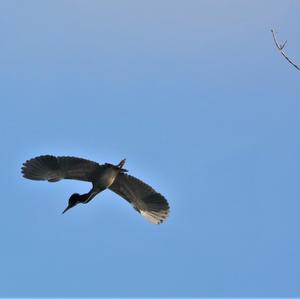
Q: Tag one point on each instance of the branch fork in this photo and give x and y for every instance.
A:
(280, 47)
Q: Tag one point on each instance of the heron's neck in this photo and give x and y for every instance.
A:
(85, 198)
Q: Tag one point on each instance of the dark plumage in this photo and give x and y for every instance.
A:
(152, 205)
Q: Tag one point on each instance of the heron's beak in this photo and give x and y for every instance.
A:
(66, 209)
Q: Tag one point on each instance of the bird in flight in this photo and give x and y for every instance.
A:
(144, 199)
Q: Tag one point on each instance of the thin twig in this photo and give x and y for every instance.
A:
(280, 48)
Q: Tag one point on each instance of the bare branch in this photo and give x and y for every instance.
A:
(283, 45)
(280, 49)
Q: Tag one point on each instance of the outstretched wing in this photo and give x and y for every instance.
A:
(53, 168)
(152, 205)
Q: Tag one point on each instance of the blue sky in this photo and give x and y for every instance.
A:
(196, 97)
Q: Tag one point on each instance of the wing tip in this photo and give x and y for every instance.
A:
(155, 217)
(33, 168)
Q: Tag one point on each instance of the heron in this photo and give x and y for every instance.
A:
(144, 199)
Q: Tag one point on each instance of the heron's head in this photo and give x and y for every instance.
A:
(73, 201)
